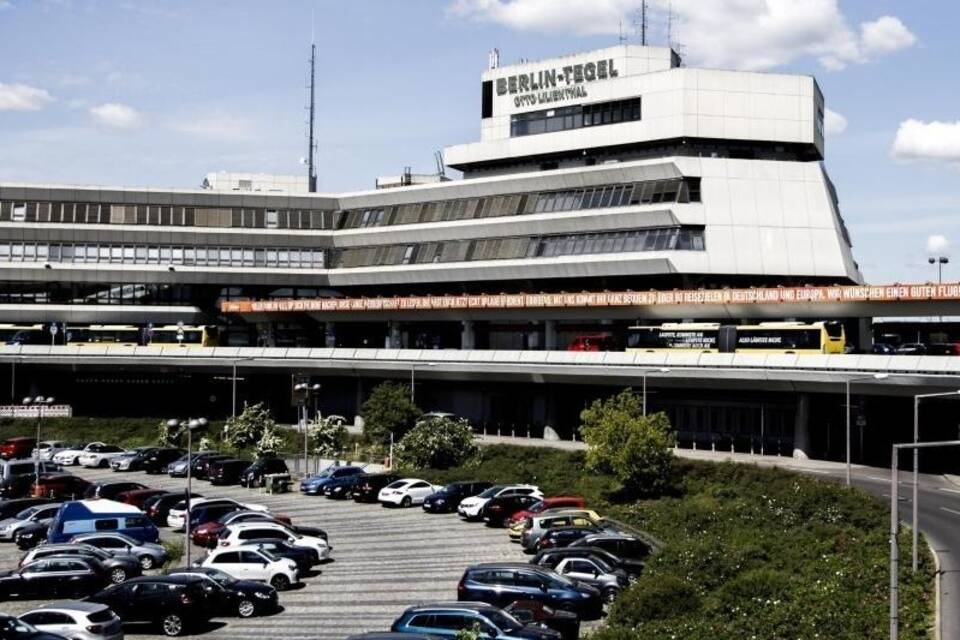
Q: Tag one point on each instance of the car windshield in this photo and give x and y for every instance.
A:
(269, 555)
(536, 507)
(606, 568)
(492, 491)
(26, 513)
(397, 484)
(503, 620)
(220, 577)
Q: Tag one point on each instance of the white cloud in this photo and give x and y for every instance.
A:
(22, 97)
(833, 123)
(937, 244)
(114, 114)
(934, 141)
(739, 34)
(217, 126)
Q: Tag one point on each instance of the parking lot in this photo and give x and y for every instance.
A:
(383, 561)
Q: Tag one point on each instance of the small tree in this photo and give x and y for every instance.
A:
(248, 428)
(270, 442)
(168, 437)
(437, 443)
(329, 436)
(205, 444)
(388, 410)
(621, 441)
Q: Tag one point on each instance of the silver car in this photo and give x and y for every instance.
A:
(149, 554)
(595, 572)
(76, 620)
(39, 513)
(49, 448)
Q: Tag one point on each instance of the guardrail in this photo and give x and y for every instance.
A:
(33, 411)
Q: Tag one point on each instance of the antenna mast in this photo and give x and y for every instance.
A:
(312, 147)
(643, 23)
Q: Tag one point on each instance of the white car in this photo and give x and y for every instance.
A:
(406, 492)
(101, 459)
(471, 507)
(175, 518)
(247, 563)
(76, 620)
(49, 448)
(40, 513)
(238, 533)
(71, 457)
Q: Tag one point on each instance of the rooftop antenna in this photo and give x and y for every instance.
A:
(622, 38)
(311, 145)
(493, 60)
(639, 21)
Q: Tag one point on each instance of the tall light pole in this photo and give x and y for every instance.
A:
(939, 261)
(39, 402)
(233, 381)
(643, 375)
(413, 368)
(192, 424)
(307, 390)
(876, 376)
(916, 461)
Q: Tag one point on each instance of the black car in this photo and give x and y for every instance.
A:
(626, 547)
(156, 460)
(158, 507)
(232, 597)
(551, 557)
(175, 604)
(448, 499)
(110, 490)
(10, 508)
(533, 612)
(304, 557)
(451, 619)
(201, 466)
(14, 629)
(31, 534)
(119, 567)
(255, 474)
(564, 536)
(226, 472)
(369, 485)
(497, 511)
(342, 487)
(65, 577)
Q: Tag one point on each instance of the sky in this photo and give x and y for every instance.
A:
(121, 92)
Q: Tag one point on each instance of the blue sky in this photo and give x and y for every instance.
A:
(159, 93)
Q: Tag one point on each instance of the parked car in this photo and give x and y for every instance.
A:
(500, 583)
(497, 511)
(883, 348)
(303, 557)
(232, 597)
(16, 476)
(49, 448)
(59, 486)
(31, 534)
(131, 460)
(342, 487)
(627, 547)
(447, 499)
(76, 620)
(593, 571)
(567, 623)
(912, 349)
(470, 508)
(71, 457)
(71, 577)
(175, 604)
(201, 466)
(534, 527)
(102, 516)
(238, 533)
(255, 474)
(515, 532)
(449, 620)
(313, 485)
(369, 486)
(138, 497)
(158, 507)
(247, 563)
(550, 557)
(148, 554)
(211, 512)
(17, 447)
(119, 567)
(226, 472)
(110, 490)
(16, 629)
(178, 468)
(208, 533)
(177, 513)
(10, 508)
(562, 536)
(156, 460)
(102, 457)
(553, 502)
(38, 513)
(405, 492)
(943, 349)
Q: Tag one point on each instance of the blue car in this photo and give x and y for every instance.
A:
(447, 620)
(313, 485)
(501, 583)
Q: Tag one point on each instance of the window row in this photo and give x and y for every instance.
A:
(574, 117)
(280, 258)
(163, 215)
(681, 190)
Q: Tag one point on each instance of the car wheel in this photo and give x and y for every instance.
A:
(172, 624)
(406, 502)
(118, 575)
(246, 608)
(103, 464)
(146, 562)
(280, 582)
(76, 461)
(610, 595)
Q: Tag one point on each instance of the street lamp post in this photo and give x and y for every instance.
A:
(192, 424)
(643, 377)
(39, 402)
(939, 261)
(876, 376)
(233, 381)
(307, 390)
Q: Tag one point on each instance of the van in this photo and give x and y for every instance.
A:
(16, 476)
(93, 516)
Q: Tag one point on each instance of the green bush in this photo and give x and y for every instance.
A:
(125, 432)
(249, 428)
(669, 597)
(328, 435)
(388, 410)
(437, 443)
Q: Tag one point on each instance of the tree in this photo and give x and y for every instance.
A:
(437, 443)
(329, 436)
(248, 428)
(621, 441)
(388, 410)
(270, 442)
(168, 437)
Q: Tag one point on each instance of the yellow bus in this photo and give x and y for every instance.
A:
(183, 336)
(713, 337)
(15, 334)
(126, 335)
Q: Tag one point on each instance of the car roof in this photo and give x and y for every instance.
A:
(412, 480)
(460, 606)
(507, 565)
(256, 524)
(74, 605)
(570, 528)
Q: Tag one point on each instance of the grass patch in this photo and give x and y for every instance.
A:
(124, 432)
(749, 551)
(175, 549)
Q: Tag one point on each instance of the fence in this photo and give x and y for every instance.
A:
(33, 411)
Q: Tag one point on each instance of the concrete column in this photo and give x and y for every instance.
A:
(801, 428)
(865, 337)
(394, 336)
(550, 335)
(467, 336)
(329, 335)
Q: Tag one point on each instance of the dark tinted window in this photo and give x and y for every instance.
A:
(229, 557)
(107, 524)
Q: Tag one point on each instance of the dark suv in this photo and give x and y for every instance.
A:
(502, 583)
(369, 485)
(448, 499)
(225, 472)
(564, 536)
(173, 603)
(255, 474)
(450, 619)
(626, 547)
(342, 487)
(156, 460)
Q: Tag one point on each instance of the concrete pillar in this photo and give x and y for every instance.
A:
(329, 335)
(468, 338)
(801, 428)
(550, 335)
(394, 336)
(865, 337)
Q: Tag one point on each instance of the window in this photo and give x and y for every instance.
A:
(231, 557)
(272, 219)
(19, 212)
(106, 524)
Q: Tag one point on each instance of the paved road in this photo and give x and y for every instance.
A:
(385, 561)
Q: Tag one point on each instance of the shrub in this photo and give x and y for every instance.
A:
(668, 597)
(329, 436)
(621, 441)
(388, 410)
(270, 442)
(248, 429)
(437, 443)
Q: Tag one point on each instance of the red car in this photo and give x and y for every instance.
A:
(208, 533)
(59, 486)
(593, 342)
(19, 447)
(556, 502)
(137, 497)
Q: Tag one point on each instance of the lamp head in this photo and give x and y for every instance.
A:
(315, 387)
(27, 400)
(173, 423)
(881, 376)
(48, 400)
(664, 370)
